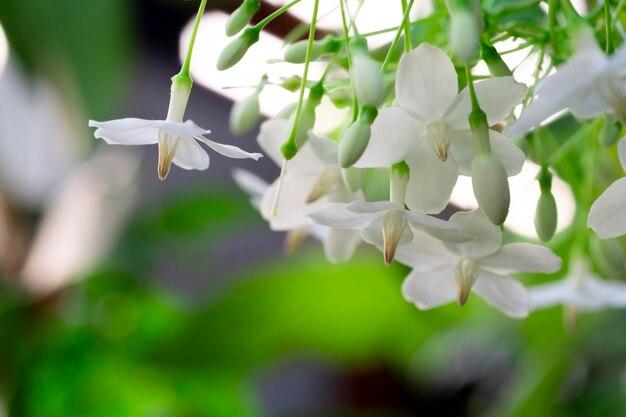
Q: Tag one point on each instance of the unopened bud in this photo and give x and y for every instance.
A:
(367, 77)
(245, 114)
(353, 143)
(292, 83)
(399, 180)
(546, 214)
(495, 63)
(610, 133)
(235, 50)
(353, 178)
(240, 18)
(465, 32)
(340, 97)
(491, 187)
(296, 53)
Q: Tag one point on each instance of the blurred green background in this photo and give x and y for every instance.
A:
(193, 310)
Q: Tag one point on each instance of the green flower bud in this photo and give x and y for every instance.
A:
(367, 77)
(240, 18)
(491, 187)
(296, 53)
(464, 34)
(234, 51)
(495, 63)
(287, 111)
(353, 143)
(340, 97)
(307, 121)
(245, 114)
(353, 178)
(610, 133)
(292, 83)
(546, 216)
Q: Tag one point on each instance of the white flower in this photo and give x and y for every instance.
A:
(581, 290)
(177, 139)
(430, 129)
(607, 216)
(311, 180)
(590, 83)
(386, 224)
(445, 272)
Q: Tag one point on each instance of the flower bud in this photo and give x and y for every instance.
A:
(495, 63)
(340, 97)
(546, 216)
(353, 143)
(292, 83)
(234, 51)
(307, 121)
(353, 178)
(465, 32)
(367, 77)
(491, 187)
(240, 18)
(245, 114)
(296, 52)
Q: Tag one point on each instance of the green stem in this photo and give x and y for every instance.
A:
(184, 71)
(552, 4)
(289, 148)
(620, 6)
(407, 27)
(275, 14)
(477, 118)
(609, 28)
(472, 91)
(396, 39)
(346, 36)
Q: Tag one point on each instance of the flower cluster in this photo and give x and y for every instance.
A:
(419, 119)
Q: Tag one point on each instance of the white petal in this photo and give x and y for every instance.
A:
(522, 257)
(189, 155)
(438, 228)
(463, 150)
(187, 129)
(272, 134)
(496, 96)
(337, 215)
(252, 184)
(430, 181)
(426, 83)
(431, 287)
(550, 294)
(325, 149)
(373, 234)
(504, 293)
(373, 206)
(394, 132)
(340, 244)
(292, 209)
(475, 223)
(229, 150)
(425, 252)
(559, 90)
(607, 216)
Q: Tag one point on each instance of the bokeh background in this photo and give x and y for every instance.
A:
(121, 295)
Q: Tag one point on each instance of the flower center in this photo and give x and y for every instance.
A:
(167, 151)
(394, 225)
(328, 182)
(437, 138)
(466, 273)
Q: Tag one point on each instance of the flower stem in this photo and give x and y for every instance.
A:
(478, 118)
(405, 22)
(609, 28)
(289, 148)
(184, 71)
(403, 26)
(346, 36)
(275, 14)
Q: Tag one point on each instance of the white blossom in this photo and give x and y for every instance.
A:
(429, 128)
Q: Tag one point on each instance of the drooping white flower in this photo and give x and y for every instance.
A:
(312, 179)
(607, 216)
(386, 224)
(580, 290)
(444, 272)
(178, 140)
(589, 84)
(429, 128)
